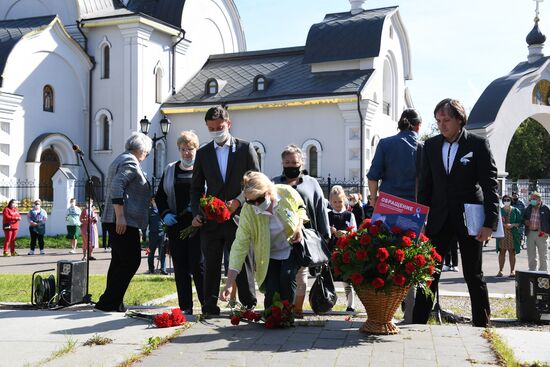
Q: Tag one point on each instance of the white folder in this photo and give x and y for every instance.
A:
(474, 216)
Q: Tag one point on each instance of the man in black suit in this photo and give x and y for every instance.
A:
(220, 166)
(457, 168)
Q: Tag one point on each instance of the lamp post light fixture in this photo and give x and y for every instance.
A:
(145, 124)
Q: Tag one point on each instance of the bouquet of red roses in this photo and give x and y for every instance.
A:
(163, 320)
(213, 209)
(279, 315)
(379, 257)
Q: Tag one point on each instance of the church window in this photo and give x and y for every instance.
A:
(106, 60)
(389, 88)
(103, 131)
(260, 83)
(313, 163)
(312, 160)
(158, 85)
(106, 133)
(212, 87)
(47, 99)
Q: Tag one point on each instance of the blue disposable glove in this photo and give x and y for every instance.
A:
(170, 219)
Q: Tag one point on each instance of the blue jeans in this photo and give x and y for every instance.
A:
(154, 243)
(281, 278)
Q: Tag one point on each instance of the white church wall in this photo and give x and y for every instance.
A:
(275, 128)
(49, 57)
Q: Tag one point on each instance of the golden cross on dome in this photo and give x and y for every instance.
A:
(537, 9)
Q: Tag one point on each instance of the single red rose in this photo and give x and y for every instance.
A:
(409, 268)
(285, 303)
(399, 279)
(428, 283)
(365, 239)
(423, 238)
(334, 256)
(346, 257)
(366, 224)
(374, 230)
(357, 278)
(336, 270)
(350, 228)
(382, 268)
(342, 242)
(399, 255)
(410, 233)
(361, 255)
(269, 323)
(432, 269)
(406, 241)
(420, 260)
(395, 230)
(378, 283)
(382, 254)
(235, 320)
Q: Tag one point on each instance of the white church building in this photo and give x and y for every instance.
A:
(85, 72)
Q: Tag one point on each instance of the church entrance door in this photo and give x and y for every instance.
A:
(49, 164)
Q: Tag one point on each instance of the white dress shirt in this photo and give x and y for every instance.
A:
(448, 153)
(222, 153)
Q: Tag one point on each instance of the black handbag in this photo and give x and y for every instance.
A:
(7, 226)
(322, 296)
(313, 250)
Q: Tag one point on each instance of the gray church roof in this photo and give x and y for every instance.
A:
(487, 106)
(343, 36)
(287, 78)
(169, 11)
(11, 31)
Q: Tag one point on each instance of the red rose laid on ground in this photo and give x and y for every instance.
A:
(380, 257)
(163, 320)
(279, 315)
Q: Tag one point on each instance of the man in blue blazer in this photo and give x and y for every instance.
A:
(218, 171)
(457, 168)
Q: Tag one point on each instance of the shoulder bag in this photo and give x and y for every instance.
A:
(313, 250)
(322, 296)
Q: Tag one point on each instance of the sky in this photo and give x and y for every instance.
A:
(457, 47)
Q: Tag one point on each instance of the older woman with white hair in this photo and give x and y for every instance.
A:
(271, 221)
(125, 213)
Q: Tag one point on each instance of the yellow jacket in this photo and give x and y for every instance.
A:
(254, 229)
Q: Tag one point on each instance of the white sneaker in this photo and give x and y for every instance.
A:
(454, 269)
(30, 253)
(72, 252)
(42, 252)
(445, 268)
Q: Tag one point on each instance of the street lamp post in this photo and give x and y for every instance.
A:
(145, 124)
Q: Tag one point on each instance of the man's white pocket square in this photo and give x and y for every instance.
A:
(466, 158)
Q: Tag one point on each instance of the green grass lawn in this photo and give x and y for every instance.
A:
(143, 288)
(58, 241)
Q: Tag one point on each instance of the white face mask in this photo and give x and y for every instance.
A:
(506, 203)
(220, 136)
(187, 163)
(259, 209)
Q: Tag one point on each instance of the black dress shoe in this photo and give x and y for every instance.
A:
(188, 311)
(121, 308)
(210, 311)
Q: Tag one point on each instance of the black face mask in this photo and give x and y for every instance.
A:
(291, 172)
(514, 200)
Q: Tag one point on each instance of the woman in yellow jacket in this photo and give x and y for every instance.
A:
(271, 221)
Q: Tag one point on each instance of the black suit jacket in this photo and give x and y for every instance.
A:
(207, 177)
(472, 180)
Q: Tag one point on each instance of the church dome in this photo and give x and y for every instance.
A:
(535, 37)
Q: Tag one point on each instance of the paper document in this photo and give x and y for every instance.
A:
(474, 216)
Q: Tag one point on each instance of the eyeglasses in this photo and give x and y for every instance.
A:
(506, 201)
(185, 150)
(256, 201)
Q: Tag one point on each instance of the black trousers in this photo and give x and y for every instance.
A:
(212, 244)
(471, 252)
(125, 261)
(452, 255)
(188, 266)
(281, 278)
(36, 237)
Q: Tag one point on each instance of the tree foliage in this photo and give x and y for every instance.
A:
(529, 152)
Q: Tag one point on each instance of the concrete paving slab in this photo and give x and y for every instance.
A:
(528, 346)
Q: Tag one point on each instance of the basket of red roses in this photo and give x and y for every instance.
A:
(214, 209)
(382, 264)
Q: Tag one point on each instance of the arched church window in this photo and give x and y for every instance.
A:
(212, 87)
(106, 61)
(106, 133)
(260, 83)
(313, 162)
(387, 89)
(158, 85)
(47, 98)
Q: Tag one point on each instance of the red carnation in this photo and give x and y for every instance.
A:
(365, 239)
(357, 278)
(409, 268)
(428, 283)
(382, 268)
(432, 269)
(334, 256)
(410, 233)
(399, 280)
(395, 230)
(374, 230)
(365, 224)
(406, 241)
(346, 258)
(342, 242)
(163, 320)
(235, 320)
(361, 254)
(377, 283)
(350, 228)
(423, 238)
(382, 254)
(177, 317)
(399, 255)
(420, 260)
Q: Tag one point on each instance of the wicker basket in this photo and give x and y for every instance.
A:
(380, 308)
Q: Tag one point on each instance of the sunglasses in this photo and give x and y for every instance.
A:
(256, 201)
(506, 201)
